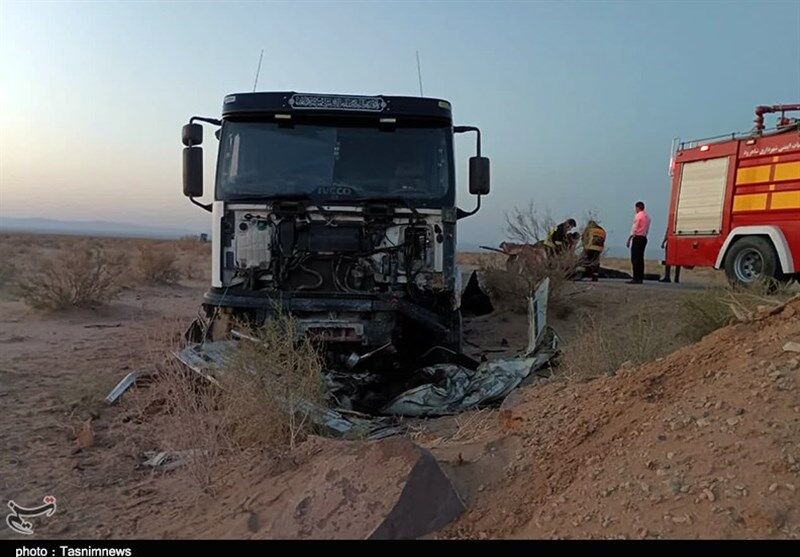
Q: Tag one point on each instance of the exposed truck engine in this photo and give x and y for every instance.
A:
(339, 210)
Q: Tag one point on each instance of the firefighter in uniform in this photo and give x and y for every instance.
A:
(594, 241)
(557, 237)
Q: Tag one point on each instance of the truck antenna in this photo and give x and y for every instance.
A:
(258, 70)
(419, 75)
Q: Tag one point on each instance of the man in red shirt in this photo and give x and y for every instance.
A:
(637, 241)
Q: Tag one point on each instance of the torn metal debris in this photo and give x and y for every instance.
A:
(169, 460)
(122, 386)
(453, 388)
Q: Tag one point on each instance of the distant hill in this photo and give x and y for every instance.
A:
(90, 228)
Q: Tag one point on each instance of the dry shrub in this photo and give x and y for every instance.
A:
(283, 370)
(510, 284)
(527, 225)
(158, 263)
(508, 290)
(260, 404)
(82, 277)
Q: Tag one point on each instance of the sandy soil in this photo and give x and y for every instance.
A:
(703, 443)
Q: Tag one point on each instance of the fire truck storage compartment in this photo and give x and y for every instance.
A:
(701, 197)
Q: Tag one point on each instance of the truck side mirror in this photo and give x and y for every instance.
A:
(478, 175)
(192, 171)
(192, 135)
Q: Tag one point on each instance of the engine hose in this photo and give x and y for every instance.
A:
(320, 280)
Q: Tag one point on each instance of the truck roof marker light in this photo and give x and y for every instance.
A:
(704, 148)
(283, 116)
(750, 142)
(337, 102)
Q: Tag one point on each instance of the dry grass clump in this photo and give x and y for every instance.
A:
(599, 349)
(158, 263)
(81, 277)
(8, 271)
(713, 308)
(260, 404)
(194, 259)
(191, 244)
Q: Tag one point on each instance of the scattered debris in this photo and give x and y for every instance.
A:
(85, 437)
(169, 460)
(791, 346)
(122, 386)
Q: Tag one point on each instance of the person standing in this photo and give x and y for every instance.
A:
(637, 241)
(667, 268)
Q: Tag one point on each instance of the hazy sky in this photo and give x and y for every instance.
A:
(578, 102)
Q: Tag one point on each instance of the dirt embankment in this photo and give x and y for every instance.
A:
(704, 443)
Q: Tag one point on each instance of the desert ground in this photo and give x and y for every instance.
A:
(673, 412)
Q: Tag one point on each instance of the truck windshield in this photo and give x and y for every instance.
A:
(260, 159)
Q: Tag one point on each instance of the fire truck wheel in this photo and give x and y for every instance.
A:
(751, 259)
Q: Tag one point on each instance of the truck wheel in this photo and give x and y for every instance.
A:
(751, 259)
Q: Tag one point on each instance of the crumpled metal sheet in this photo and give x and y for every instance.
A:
(454, 388)
(122, 386)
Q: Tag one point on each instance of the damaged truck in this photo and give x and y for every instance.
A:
(339, 210)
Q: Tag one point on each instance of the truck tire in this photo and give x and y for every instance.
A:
(750, 260)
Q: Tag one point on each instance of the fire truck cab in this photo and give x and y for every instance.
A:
(735, 202)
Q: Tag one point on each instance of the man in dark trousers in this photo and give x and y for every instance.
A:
(667, 268)
(637, 241)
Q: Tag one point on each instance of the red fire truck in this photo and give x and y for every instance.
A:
(735, 201)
